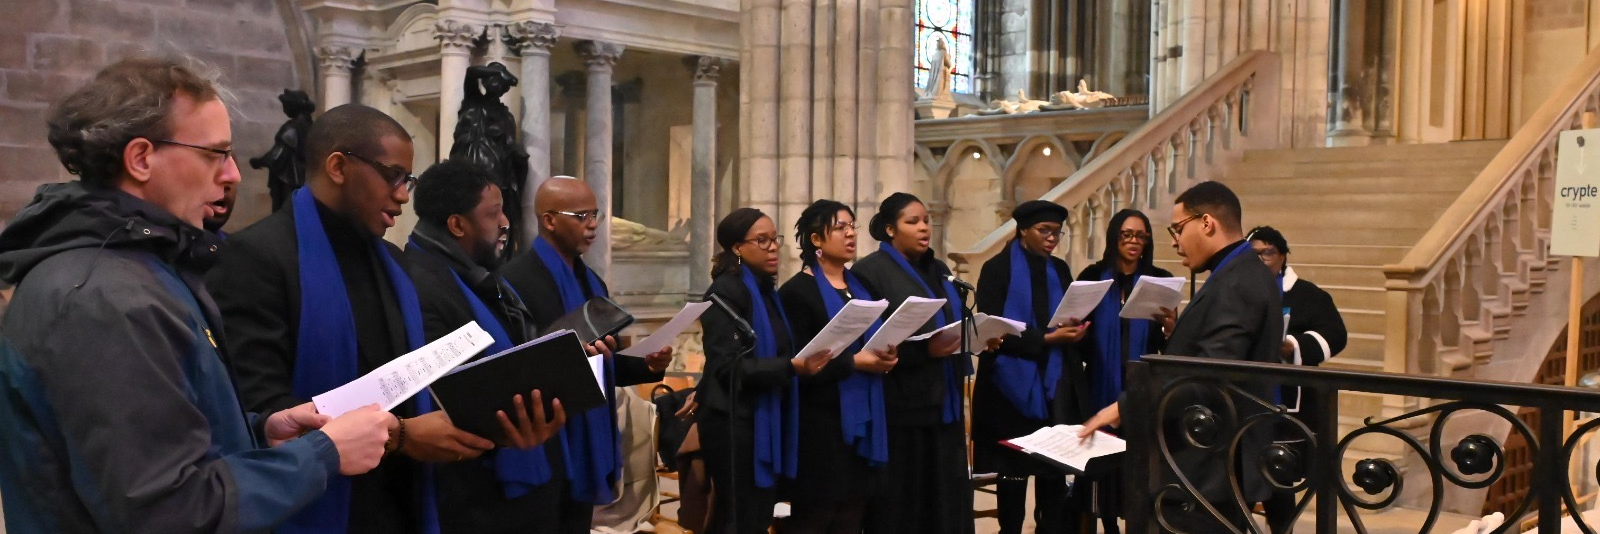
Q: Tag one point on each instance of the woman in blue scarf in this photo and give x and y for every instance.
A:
(927, 489)
(843, 434)
(1034, 380)
(749, 427)
(1116, 341)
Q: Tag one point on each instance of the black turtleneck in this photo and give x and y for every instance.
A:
(1216, 259)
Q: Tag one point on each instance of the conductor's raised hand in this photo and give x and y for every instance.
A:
(358, 436)
(531, 430)
(809, 365)
(433, 438)
(293, 423)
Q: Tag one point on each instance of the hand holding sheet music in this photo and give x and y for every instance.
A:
(847, 326)
(984, 327)
(911, 315)
(1061, 444)
(663, 337)
(1150, 295)
(403, 377)
(1080, 300)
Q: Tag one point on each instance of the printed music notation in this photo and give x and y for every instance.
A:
(403, 377)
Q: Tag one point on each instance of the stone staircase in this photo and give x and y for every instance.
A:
(1347, 212)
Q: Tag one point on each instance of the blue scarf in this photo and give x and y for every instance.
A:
(326, 355)
(861, 408)
(777, 415)
(954, 368)
(517, 470)
(1109, 350)
(590, 442)
(1018, 377)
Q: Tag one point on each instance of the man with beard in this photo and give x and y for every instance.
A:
(460, 233)
(552, 277)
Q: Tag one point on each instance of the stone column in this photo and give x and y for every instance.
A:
(336, 63)
(533, 41)
(1345, 110)
(573, 88)
(599, 58)
(702, 170)
(455, 55)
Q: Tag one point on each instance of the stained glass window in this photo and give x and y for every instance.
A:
(950, 20)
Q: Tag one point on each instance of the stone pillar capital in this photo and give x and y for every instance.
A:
(705, 69)
(337, 58)
(454, 35)
(574, 84)
(599, 55)
(529, 37)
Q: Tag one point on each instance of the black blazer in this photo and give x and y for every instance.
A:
(914, 390)
(726, 357)
(1236, 315)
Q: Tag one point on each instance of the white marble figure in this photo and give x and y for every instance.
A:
(1083, 99)
(940, 74)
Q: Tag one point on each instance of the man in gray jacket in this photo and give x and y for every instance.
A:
(117, 411)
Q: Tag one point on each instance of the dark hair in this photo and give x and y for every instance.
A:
(1114, 241)
(350, 127)
(889, 212)
(817, 219)
(1214, 199)
(731, 232)
(130, 99)
(448, 188)
(1270, 236)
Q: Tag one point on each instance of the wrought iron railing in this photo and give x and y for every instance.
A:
(1203, 419)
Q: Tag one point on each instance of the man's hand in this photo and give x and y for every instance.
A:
(432, 438)
(359, 436)
(603, 347)
(690, 405)
(1067, 333)
(531, 431)
(877, 362)
(809, 365)
(1108, 416)
(293, 423)
(658, 361)
(1167, 318)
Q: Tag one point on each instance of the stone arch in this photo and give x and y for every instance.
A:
(1031, 173)
(960, 152)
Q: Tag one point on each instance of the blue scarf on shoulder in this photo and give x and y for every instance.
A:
(518, 471)
(590, 442)
(1109, 351)
(957, 367)
(326, 356)
(861, 403)
(1019, 378)
(777, 415)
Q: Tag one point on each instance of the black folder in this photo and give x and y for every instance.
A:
(594, 320)
(557, 365)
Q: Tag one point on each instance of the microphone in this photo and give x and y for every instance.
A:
(738, 322)
(962, 284)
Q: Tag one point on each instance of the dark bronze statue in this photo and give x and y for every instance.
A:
(486, 134)
(286, 161)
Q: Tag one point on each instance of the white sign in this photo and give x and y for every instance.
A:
(1575, 222)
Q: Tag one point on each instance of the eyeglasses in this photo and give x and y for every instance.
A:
(766, 242)
(583, 217)
(394, 175)
(226, 153)
(1266, 254)
(1048, 234)
(840, 226)
(1135, 235)
(1177, 228)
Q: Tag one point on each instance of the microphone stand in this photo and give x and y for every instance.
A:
(746, 337)
(968, 324)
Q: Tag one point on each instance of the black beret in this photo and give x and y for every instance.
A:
(1034, 212)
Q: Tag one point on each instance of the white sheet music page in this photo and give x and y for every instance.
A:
(1151, 294)
(1080, 300)
(911, 315)
(852, 320)
(398, 380)
(1061, 443)
(663, 337)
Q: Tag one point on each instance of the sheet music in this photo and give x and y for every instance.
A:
(1150, 295)
(663, 337)
(984, 327)
(911, 315)
(847, 325)
(1061, 443)
(1080, 300)
(403, 377)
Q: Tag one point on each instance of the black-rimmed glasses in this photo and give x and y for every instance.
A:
(394, 175)
(1177, 228)
(1135, 235)
(766, 242)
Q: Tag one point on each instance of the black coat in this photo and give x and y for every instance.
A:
(256, 284)
(992, 414)
(533, 282)
(726, 357)
(1318, 330)
(914, 391)
(1236, 315)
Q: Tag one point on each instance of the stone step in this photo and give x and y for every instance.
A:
(1371, 185)
(1357, 321)
(1483, 150)
(1312, 217)
(1343, 254)
(1356, 297)
(1363, 202)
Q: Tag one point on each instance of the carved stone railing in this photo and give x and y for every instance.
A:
(1197, 138)
(1461, 287)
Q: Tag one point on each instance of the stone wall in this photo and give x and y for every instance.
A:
(48, 47)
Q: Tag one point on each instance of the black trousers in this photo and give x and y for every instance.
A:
(739, 506)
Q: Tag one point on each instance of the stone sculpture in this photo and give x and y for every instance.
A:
(486, 134)
(286, 160)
